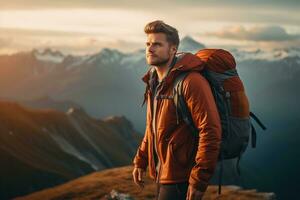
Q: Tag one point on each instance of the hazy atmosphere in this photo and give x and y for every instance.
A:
(71, 92)
(83, 27)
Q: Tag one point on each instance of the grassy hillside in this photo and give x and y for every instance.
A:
(98, 184)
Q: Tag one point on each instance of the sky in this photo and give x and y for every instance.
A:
(87, 26)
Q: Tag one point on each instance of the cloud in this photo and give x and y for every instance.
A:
(5, 41)
(12, 4)
(255, 33)
(15, 40)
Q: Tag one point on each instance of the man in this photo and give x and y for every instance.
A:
(181, 163)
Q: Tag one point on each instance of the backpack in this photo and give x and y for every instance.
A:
(232, 104)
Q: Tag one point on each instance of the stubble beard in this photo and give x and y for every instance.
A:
(160, 63)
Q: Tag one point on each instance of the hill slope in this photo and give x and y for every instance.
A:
(98, 184)
(43, 147)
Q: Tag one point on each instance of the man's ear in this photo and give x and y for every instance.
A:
(174, 49)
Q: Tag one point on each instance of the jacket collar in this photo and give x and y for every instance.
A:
(185, 62)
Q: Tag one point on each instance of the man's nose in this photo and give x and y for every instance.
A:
(151, 48)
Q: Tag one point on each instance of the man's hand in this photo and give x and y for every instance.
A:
(194, 194)
(138, 177)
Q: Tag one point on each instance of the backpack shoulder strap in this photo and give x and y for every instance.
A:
(253, 131)
(182, 108)
(180, 104)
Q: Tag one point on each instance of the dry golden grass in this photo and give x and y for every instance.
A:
(97, 184)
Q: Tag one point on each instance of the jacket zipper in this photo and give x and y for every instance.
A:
(151, 104)
(155, 132)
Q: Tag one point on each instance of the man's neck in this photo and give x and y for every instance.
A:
(163, 70)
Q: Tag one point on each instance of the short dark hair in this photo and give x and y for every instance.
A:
(159, 26)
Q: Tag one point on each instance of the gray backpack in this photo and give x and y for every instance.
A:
(232, 103)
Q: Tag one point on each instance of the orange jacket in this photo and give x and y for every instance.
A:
(183, 156)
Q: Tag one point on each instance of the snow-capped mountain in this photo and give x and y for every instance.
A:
(105, 56)
(188, 44)
(48, 55)
(72, 62)
(268, 55)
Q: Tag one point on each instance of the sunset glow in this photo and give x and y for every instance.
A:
(87, 30)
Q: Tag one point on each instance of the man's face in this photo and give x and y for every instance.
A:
(158, 50)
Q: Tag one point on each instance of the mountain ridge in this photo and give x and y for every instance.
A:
(58, 146)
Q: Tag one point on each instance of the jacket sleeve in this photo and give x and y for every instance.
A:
(141, 158)
(202, 106)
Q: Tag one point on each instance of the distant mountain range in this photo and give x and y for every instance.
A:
(108, 82)
(43, 147)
